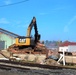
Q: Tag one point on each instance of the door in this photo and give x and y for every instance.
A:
(2, 45)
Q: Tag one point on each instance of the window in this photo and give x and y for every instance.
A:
(66, 49)
(61, 49)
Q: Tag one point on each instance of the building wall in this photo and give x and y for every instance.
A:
(8, 40)
(72, 48)
(65, 48)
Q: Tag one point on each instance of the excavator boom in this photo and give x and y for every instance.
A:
(33, 24)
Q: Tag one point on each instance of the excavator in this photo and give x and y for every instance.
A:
(29, 43)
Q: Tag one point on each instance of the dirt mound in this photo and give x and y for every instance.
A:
(51, 62)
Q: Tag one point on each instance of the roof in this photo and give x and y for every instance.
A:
(67, 43)
(8, 33)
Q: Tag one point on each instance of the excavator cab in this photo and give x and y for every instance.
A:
(21, 40)
(29, 41)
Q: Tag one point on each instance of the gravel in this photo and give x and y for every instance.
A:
(14, 71)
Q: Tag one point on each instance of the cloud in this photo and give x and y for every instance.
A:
(21, 25)
(4, 21)
(66, 28)
(60, 8)
(43, 13)
(7, 2)
(72, 20)
(52, 10)
(18, 22)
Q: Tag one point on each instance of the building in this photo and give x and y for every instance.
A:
(68, 46)
(7, 38)
(52, 45)
(67, 52)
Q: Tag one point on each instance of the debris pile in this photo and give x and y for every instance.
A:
(39, 49)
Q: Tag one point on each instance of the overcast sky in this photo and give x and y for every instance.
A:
(56, 19)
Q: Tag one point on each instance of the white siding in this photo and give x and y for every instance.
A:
(72, 48)
(65, 48)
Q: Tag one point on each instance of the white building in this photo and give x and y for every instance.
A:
(68, 47)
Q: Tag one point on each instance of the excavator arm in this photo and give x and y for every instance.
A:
(33, 24)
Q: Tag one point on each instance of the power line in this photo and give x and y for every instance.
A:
(14, 3)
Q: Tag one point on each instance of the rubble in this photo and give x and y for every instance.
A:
(51, 62)
(39, 49)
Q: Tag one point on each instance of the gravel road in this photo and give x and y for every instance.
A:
(38, 72)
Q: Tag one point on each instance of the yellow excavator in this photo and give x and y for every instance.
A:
(28, 41)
